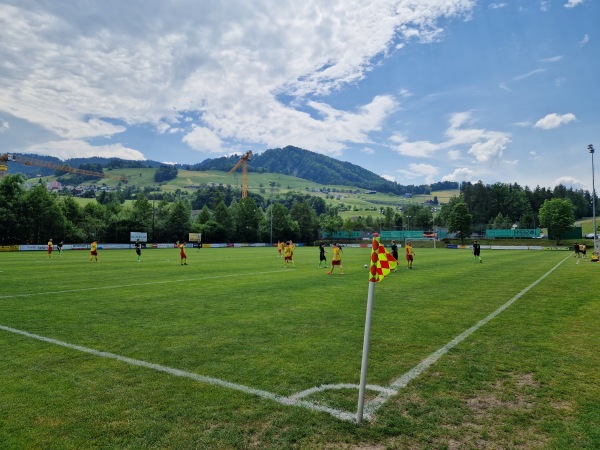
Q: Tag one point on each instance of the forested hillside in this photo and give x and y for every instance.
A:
(319, 169)
(290, 160)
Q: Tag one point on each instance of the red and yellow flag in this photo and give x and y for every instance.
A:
(382, 262)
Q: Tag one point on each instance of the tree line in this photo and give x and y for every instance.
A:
(36, 215)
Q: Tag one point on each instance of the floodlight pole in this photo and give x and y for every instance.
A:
(591, 150)
(271, 224)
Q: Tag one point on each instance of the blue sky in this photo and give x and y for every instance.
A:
(417, 91)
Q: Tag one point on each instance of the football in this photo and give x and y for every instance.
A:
(366, 266)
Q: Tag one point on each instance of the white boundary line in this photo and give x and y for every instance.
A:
(385, 393)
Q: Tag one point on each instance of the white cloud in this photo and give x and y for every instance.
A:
(388, 177)
(523, 124)
(569, 182)
(558, 82)
(420, 170)
(66, 149)
(584, 40)
(4, 126)
(484, 145)
(554, 121)
(461, 174)
(453, 155)
(497, 5)
(203, 139)
(229, 62)
(528, 74)
(552, 59)
(418, 149)
(573, 3)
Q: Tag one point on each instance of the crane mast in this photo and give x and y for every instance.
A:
(244, 163)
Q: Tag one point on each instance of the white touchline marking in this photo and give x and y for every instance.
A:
(98, 288)
(295, 399)
(182, 373)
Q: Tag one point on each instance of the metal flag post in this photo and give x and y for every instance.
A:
(591, 150)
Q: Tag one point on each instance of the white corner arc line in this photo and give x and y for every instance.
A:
(413, 373)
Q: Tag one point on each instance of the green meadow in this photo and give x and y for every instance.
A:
(351, 201)
(236, 351)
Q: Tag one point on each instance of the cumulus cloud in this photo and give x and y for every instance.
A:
(66, 149)
(420, 170)
(570, 182)
(201, 138)
(230, 63)
(461, 174)
(418, 149)
(573, 3)
(484, 145)
(554, 121)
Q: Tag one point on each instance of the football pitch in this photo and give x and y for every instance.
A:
(234, 350)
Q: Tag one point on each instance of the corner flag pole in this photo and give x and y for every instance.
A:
(365, 354)
(382, 263)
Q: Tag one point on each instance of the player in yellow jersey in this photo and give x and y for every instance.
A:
(279, 248)
(50, 248)
(94, 251)
(410, 255)
(336, 260)
(182, 254)
(288, 254)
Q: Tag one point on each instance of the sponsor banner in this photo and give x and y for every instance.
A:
(76, 247)
(27, 248)
(138, 236)
(113, 246)
(194, 237)
(9, 248)
(510, 247)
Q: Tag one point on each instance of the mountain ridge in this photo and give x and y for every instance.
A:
(288, 160)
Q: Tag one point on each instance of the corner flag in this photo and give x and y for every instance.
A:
(382, 263)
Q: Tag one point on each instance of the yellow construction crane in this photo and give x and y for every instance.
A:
(5, 158)
(244, 163)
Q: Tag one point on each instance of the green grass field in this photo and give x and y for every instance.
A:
(218, 354)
